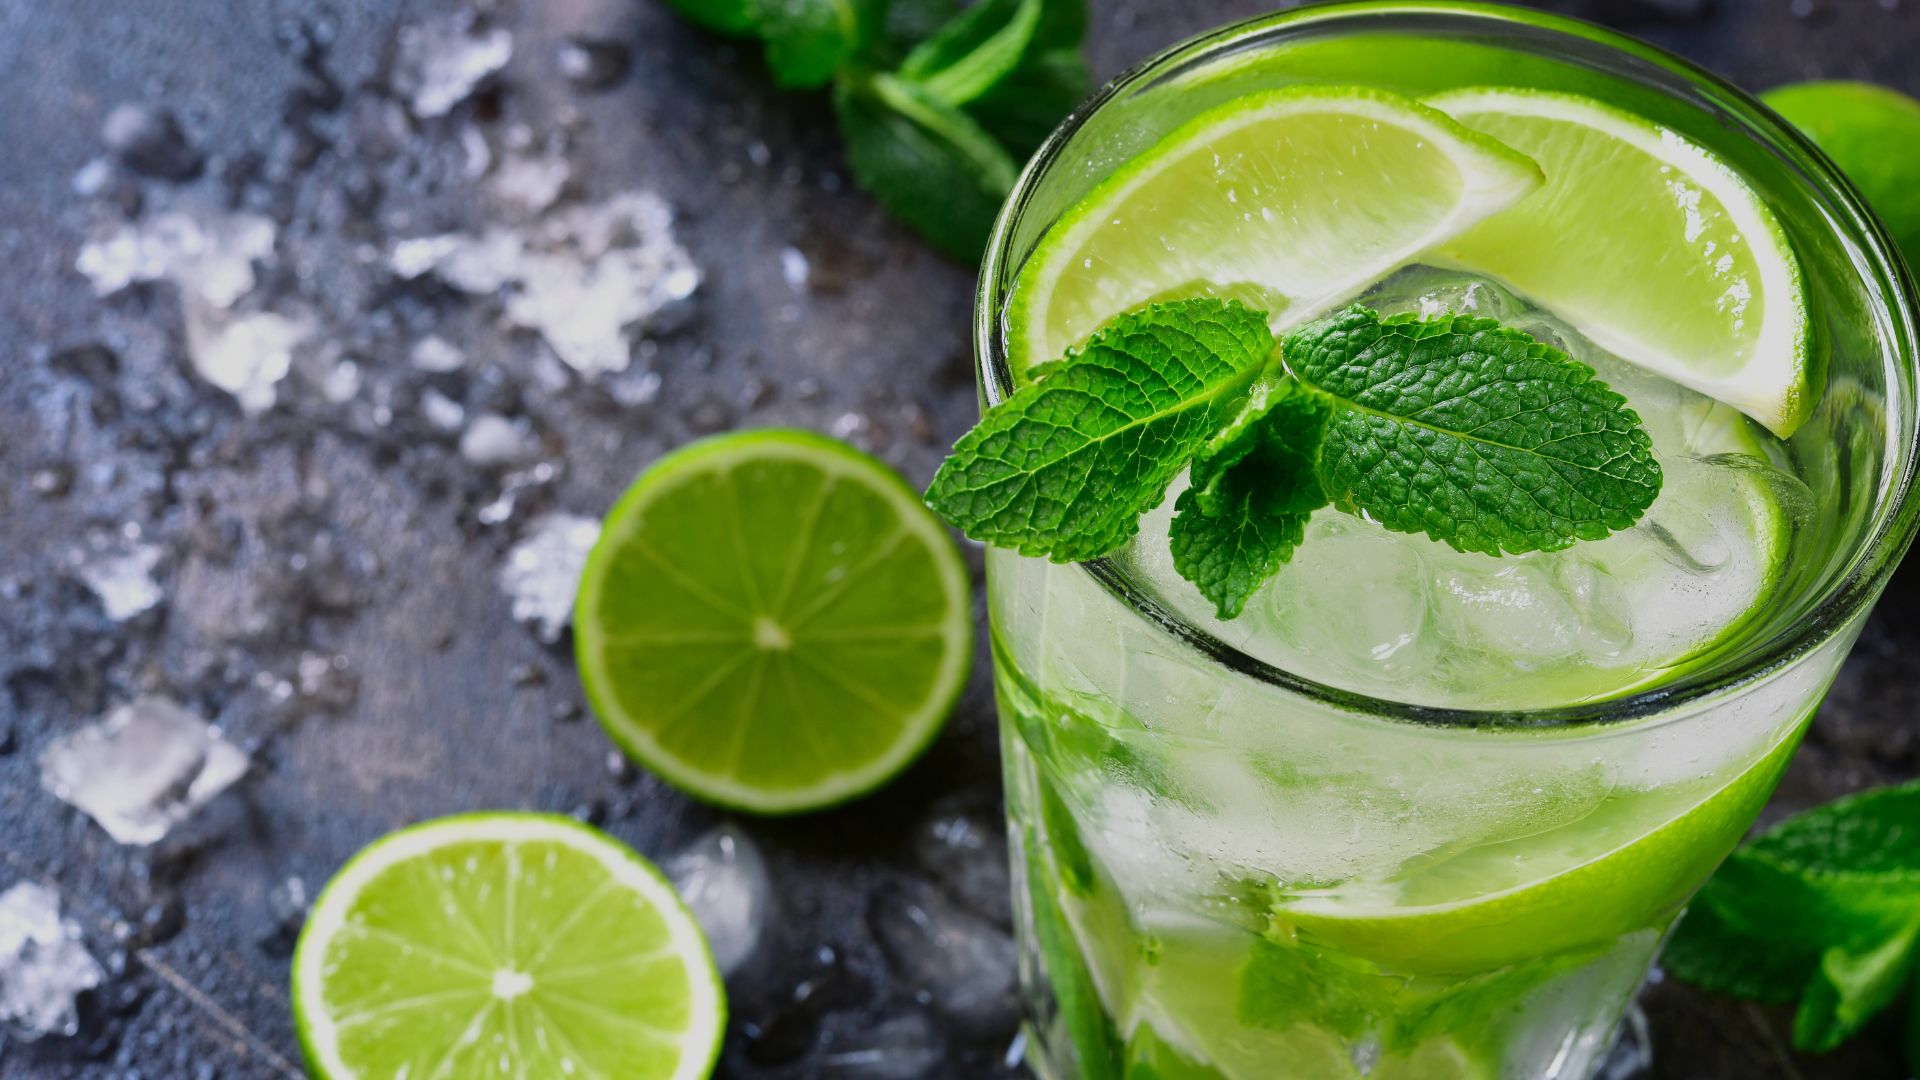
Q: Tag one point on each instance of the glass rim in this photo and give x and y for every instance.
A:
(1873, 561)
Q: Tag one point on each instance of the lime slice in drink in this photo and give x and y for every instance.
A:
(1289, 199)
(773, 621)
(504, 945)
(1631, 862)
(1651, 246)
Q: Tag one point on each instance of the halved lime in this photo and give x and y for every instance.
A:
(1651, 246)
(1289, 199)
(1869, 131)
(512, 945)
(773, 621)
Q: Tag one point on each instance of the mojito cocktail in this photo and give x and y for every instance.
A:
(1412, 800)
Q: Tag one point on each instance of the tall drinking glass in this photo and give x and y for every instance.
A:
(1230, 869)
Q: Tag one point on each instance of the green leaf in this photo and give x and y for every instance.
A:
(907, 23)
(1852, 987)
(1025, 107)
(978, 48)
(1874, 834)
(1284, 985)
(1066, 466)
(928, 163)
(1475, 434)
(1253, 489)
(808, 41)
(726, 16)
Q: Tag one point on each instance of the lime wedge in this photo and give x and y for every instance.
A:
(773, 621)
(1634, 859)
(1651, 246)
(1289, 199)
(504, 945)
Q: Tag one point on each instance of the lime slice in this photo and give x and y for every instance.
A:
(1634, 859)
(1290, 199)
(773, 621)
(504, 945)
(1860, 125)
(1651, 246)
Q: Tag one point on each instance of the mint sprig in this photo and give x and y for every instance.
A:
(1823, 909)
(938, 103)
(1471, 432)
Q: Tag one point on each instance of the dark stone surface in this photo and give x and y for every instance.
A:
(317, 529)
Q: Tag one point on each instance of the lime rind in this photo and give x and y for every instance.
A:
(1491, 177)
(918, 727)
(314, 1025)
(1778, 382)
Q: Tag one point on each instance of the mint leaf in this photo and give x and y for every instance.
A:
(1066, 466)
(1253, 489)
(927, 162)
(1852, 987)
(975, 50)
(1025, 107)
(1875, 833)
(1475, 434)
(807, 41)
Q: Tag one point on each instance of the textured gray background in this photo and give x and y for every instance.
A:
(457, 706)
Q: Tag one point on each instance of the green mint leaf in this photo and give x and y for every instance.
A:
(1066, 466)
(907, 23)
(726, 16)
(1253, 489)
(1852, 987)
(808, 41)
(1025, 106)
(978, 48)
(927, 162)
(1873, 834)
(1473, 433)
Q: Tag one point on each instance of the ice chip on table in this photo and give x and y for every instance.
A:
(584, 278)
(492, 441)
(441, 411)
(442, 61)
(435, 353)
(44, 965)
(532, 181)
(245, 354)
(541, 576)
(206, 252)
(142, 769)
(902, 1047)
(122, 577)
(723, 879)
(795, 268)
(960, 961)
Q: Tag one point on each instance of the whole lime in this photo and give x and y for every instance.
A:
(1873, 134)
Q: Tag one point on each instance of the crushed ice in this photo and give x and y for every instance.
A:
(584, 278)
(122, 577)
(723, 879)
(44, 965)
(443, 61)
(245, 354)
(142, 769)
(206, 252)
(541, 576)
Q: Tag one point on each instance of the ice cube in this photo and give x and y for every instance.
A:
(142, 769)
(1510, 608)
(960, 962)
(902, 1047)
(122, 577)
(1351, 605)
(206, 252)
(44, 966)
(442, 61)
(244, 354)
(441, 411)
(795, 268)
(542, 572)
(967, 853)
(724, 881)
